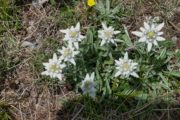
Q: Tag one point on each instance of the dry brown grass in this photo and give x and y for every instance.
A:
(29, 100)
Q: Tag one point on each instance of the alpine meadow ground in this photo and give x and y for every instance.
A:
(89, 59)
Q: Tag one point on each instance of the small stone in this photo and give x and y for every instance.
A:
(174, 39)
(39, 2)
(27, 44)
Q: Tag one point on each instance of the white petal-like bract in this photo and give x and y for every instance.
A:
(125, 67)
(54, 68)
(88, 85)
(107, 34)
(68, 54)
(73, 35)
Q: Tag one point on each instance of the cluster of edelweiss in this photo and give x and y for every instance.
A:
(150, 34)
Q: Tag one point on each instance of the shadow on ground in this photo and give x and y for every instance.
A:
(83, 108)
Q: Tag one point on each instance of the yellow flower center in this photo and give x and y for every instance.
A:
(91, 3)
(67, 52)
(87, 84)
(108, 34)
(73, 34)
(126, 66)
(53, 68)
(151, 34)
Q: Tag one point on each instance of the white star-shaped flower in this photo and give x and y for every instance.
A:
(73, 35)
(126, 67)
(150, 33)
(88, 85)
(68, 54)
(107, 34)
(54, 68)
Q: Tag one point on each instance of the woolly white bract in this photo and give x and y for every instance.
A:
(126, 67)
(88, 85)
(54, 68)
(150, 34)
(107, 34)
(73, 35)
(68, 54)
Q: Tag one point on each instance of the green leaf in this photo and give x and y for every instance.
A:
(99, 79)
(163, 54)
(165, 83)
(174, 73)
(53, 2)
(167, 43)
(100, 7)
(90, 36)
(102, 48)
(115, 84)
(126, 38)
(177, 54)
(108, 5)
(108, 62)
(116, 9)
(127, 93)
(142, 96)
(108, 87)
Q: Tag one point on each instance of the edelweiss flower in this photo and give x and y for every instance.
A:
(126, 67)
(88, 85)
(150, 34)
(73, 35)
(68, 54)
(107, 34)
(54, 68)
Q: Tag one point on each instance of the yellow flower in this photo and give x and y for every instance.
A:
(91, 3)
